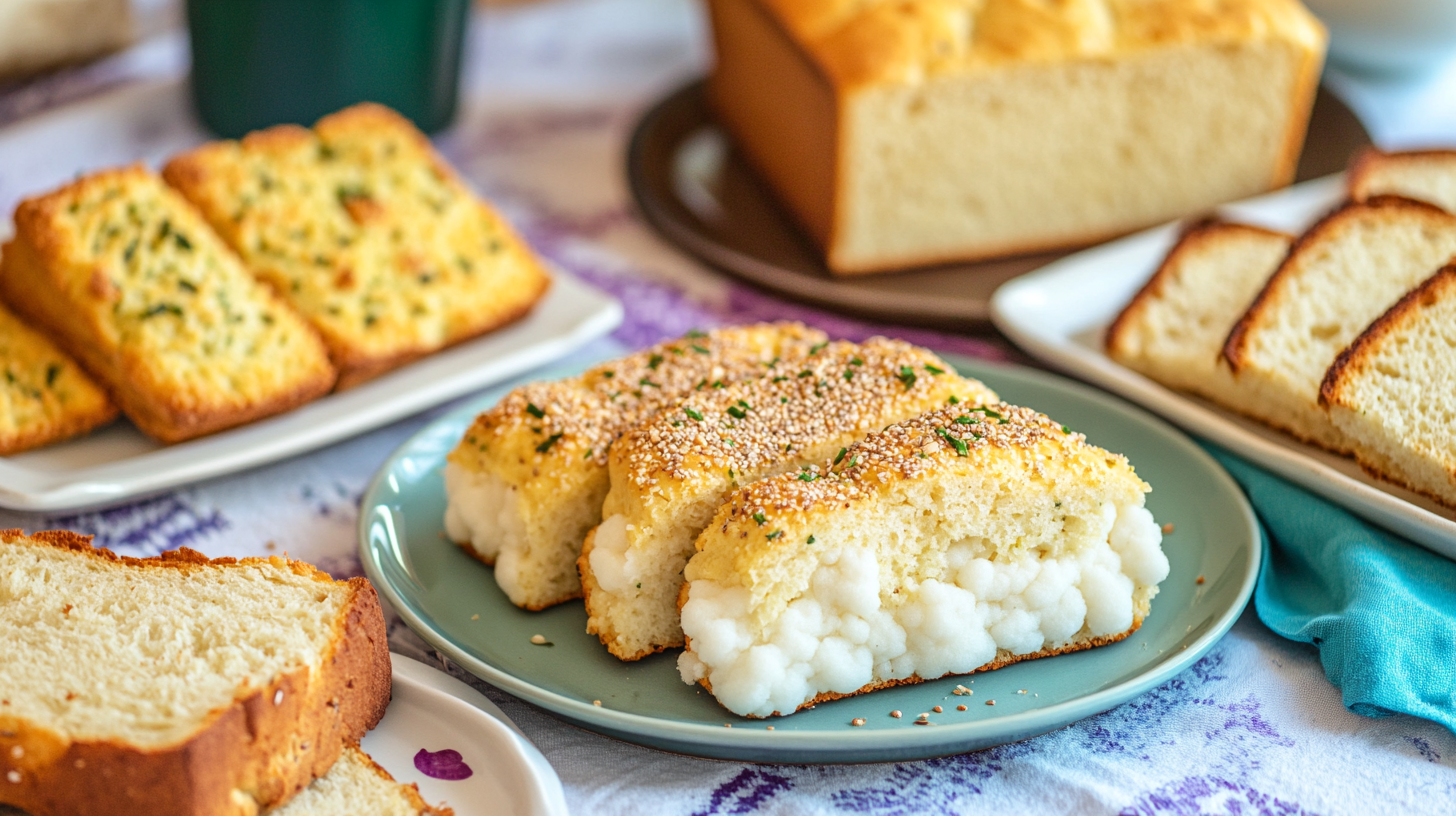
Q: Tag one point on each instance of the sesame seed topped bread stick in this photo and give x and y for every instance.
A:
(1393, 391)
(357, 786)
(526, 483)
(1174, 329)
(177, 685)
(367, 232)
(127, 278)
(670, 474)
(45, 396)
(958, 541)
(1424, 175)
(1339, 276)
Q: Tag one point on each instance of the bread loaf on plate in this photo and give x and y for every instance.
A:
(177, 685)
(929, 131)
(125, 276)
(1393, 391)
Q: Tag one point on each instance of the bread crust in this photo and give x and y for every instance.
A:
(249, 756)
(410, 791)
(1369, 161)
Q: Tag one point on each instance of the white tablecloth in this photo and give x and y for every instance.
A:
(552, 91)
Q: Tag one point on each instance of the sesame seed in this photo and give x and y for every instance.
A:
(17, 752)
(13, 776)
(597, 703)
(727, 725)
(857, 722)
(278, 697)
(540, 640)
(1021, 691)
(770, 728)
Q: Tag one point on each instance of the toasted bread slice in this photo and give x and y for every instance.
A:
(526, 483)
(1173, 330)
(177, 686)
(45, 396)
(955, 542)
(1339, 276)
(357, 786)
(1393, 391)
(126, 277)
(367, 232)
(1423, 175)
(670, 474)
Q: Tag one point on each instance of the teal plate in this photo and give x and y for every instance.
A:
(452, 601)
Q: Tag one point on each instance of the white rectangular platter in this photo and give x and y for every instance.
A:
(1060, 312)
(147, 123)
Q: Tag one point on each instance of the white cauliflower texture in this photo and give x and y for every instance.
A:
(483, 512)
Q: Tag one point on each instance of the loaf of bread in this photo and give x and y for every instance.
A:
(526, 483)
(959, 541)
(1339, 276)
(36, 35)
(127, 278)
(177, 686)
(45, 397)
(1392, 391)
(928, 131)
(357, 786)
(1174, 329)
(1424, 175)
(367, 232)
(670, 474)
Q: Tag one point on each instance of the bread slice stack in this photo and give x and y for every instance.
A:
(177, 685)
(1347, 345)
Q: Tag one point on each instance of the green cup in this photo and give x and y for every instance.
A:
(257, 63)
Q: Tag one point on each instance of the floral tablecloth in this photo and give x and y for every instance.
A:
(552, 91)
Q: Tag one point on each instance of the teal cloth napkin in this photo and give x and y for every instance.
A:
(1380, 609)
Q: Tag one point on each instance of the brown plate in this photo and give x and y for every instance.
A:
(695, 189)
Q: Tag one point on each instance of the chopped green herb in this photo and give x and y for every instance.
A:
(808, 476)
(856, 361)
(817, 347)
(810, 541)
(774, 534)
(648, 383)
(1066, 430)
(848, 375)
(805, 373)
(654, 361)
(676, 350)
(961, 448)
(130, 250)
(988, 412)
(953, 400)
(534, 411)
(778, 379)
(589, 452)
(182, 241)
(699, 349)
(52, 372)
(783, 400)
(934, 370)
(736, 412)
(693, 415)
(907, 376)
(162, 308)
(842, 452)
(964, 420)
(694, 333)
(546, 446)
(609, 374)
(719, 384)
(186, 286)
(771, 363)
(759, 517)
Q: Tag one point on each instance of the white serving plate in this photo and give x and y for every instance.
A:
(1060, 312)
(148, 123)
(432, 711)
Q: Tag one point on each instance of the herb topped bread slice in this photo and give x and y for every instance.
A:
(176, 685)
(357, 786)
(367, 232)
(45, 396)
(124, 275)
(959, 541)
(670, 474)
(1393, 391)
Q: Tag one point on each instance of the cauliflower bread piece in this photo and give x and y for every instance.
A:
(367, 232)
(45, 397)
(1339, 276)
(357, 786)
(670, 474)
(526, 483)
(177, 686)
(926, 131)
(1424, 175)
(1392, 391)
(127, 278)
(959, 541)
(1174, 329)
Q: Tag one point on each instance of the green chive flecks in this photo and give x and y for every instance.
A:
(1066, 430)
(694, 334)
(589, 452)
(964, 420)
(805, 373)
(546, 446)
(842, 452)
(961, 448)
(609, 374)
(856, 361)
(736, 412)
(693, 415)
(808, 476)
(534, 411)
(934, 370)
(654, 361)
(649, 383)
(774, 534)
(953, 400)
(817, 347)
(759, 517)
(810, 541)
(699, 349)
(848, 375)
(907, 376)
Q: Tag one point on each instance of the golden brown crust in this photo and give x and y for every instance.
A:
(252, 755)
(1236, 347)
(1002, 660)
(1369, 160)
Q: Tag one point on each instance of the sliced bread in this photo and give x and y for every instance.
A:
(1339, 276)
(45, 396)
(125, 276)
(177, 685)
(357, 786)
(670, 474)
(367, 232)
(1393, 391)
(1424, 175)
(1173, 330)
(958, 541)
